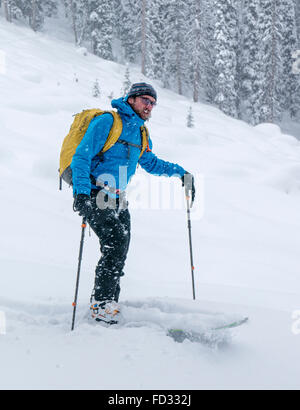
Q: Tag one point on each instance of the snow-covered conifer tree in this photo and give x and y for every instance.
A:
(153, 40)
(130, 30)
(127, 82)
(286, 12)
(271, 62)
(199, 47)
(16, 9)
(194, 44)
(30, 11)
(176, 59)
(79, 12)
(190, 118)
(7, 11)
(36, 15)
(143, 25)
(225, 36)
(166, 40)
(100, 21)
(96, 89)
(207, 66)
(295, 98)
(50, 7)
(297, 13)
(250, 90)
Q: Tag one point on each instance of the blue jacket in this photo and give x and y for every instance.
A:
(119, 163)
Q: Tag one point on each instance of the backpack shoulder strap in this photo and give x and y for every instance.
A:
(145, 140)
(115, 131)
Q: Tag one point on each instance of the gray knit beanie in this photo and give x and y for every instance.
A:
(142, 89)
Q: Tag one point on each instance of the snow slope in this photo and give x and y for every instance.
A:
(246, 237)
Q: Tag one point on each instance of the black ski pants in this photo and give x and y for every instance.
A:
(112, 226)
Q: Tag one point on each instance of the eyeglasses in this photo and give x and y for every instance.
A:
(148, 102)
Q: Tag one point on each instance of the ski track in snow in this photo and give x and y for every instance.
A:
(152, 313)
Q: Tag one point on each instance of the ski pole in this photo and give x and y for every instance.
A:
(74, 304)
(190, 238)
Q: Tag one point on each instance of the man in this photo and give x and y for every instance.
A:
(99, 184)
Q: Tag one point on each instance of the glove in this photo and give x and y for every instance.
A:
(189, 184)
(83, 205)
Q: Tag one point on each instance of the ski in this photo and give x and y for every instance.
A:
(233, 324)
(179, 335)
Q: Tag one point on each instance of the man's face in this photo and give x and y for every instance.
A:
(142, 105)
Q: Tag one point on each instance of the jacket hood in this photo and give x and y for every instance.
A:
(124, 109)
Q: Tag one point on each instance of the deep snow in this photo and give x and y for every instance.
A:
(246, 237)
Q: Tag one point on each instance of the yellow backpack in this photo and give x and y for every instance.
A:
(77, 131)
